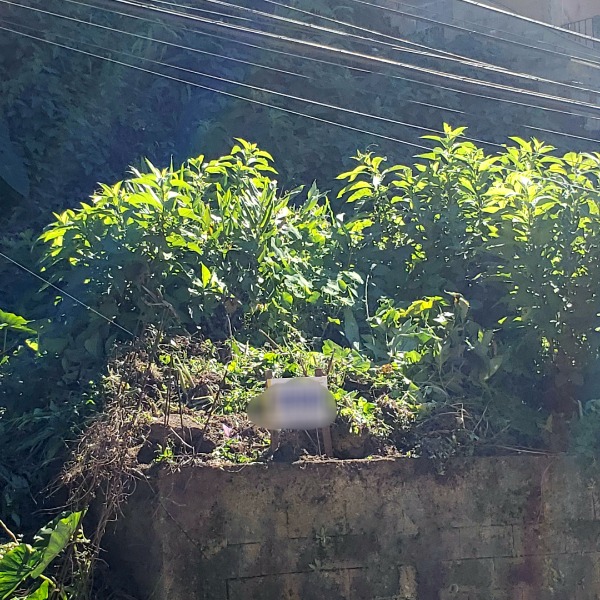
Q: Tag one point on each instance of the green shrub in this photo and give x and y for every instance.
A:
(516, 234)
(210, 246)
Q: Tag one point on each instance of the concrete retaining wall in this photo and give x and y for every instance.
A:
(519, 528)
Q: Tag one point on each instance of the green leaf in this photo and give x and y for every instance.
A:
(94, 345)
(206, 275)
(351, 329)
(15, 566)
(358, 195)
(52, 539)
(33, 345)
(352, 175)
(14, 322)
(188, 213)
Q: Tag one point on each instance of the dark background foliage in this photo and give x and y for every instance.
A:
(68, 120)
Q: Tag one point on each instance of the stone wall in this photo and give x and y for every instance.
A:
(517, 528)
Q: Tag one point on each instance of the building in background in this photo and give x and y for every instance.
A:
(582, 16)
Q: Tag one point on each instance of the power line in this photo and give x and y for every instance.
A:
(62, 291)
(464, 59)
(530, 20)
(471, 31)
(333, 49)
(265, 90)
(253, 87)
(421, 70)
(544, 47)
(272, 51)
(393, 76)
(429, 51)
(317, 27)
(397, 140)
(149, 39)
(216, 90)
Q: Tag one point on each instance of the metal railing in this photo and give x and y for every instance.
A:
(589, 26)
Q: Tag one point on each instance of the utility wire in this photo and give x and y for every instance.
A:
(530, 20)
(269, 91)
(216, 90)
(395, 39)
(387, 75)
(149, 39)
(265, 90)
(332, 49)
(62, 291)
(397, 140)
(387, 61)
(265, 49)
(461, 57)
(454, 26)
(545, 46)
(429, 52)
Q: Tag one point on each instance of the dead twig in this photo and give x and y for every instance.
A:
(10, 534)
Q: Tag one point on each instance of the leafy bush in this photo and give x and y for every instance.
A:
(516, 234)
(452, 303)
(212, 245)
(18, 329)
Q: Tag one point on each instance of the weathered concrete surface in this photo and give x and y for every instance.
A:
(518, 528)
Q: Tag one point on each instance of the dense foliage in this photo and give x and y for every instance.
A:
(516, 234)
(211, 245)
(452, 303)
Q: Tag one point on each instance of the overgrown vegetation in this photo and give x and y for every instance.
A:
(452, 304)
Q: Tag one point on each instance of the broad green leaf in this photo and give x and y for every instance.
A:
(359, 194)
(93, 344)
(352, 175)
(52, 539)
(206, 275)
(16, 566)
(351, 329)
(14, 322)
(188, 213)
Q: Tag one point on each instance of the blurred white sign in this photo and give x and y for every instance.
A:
(294, 403)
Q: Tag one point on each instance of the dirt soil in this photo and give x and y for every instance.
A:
(194, 435)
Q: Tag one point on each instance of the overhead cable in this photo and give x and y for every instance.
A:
(273, 92)
(421, 70)
(149, 39)
(490, 36)
(65, 293)
(426, 51)
(519, 17)
(216, 90)
(394, 76)
(258, 102)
